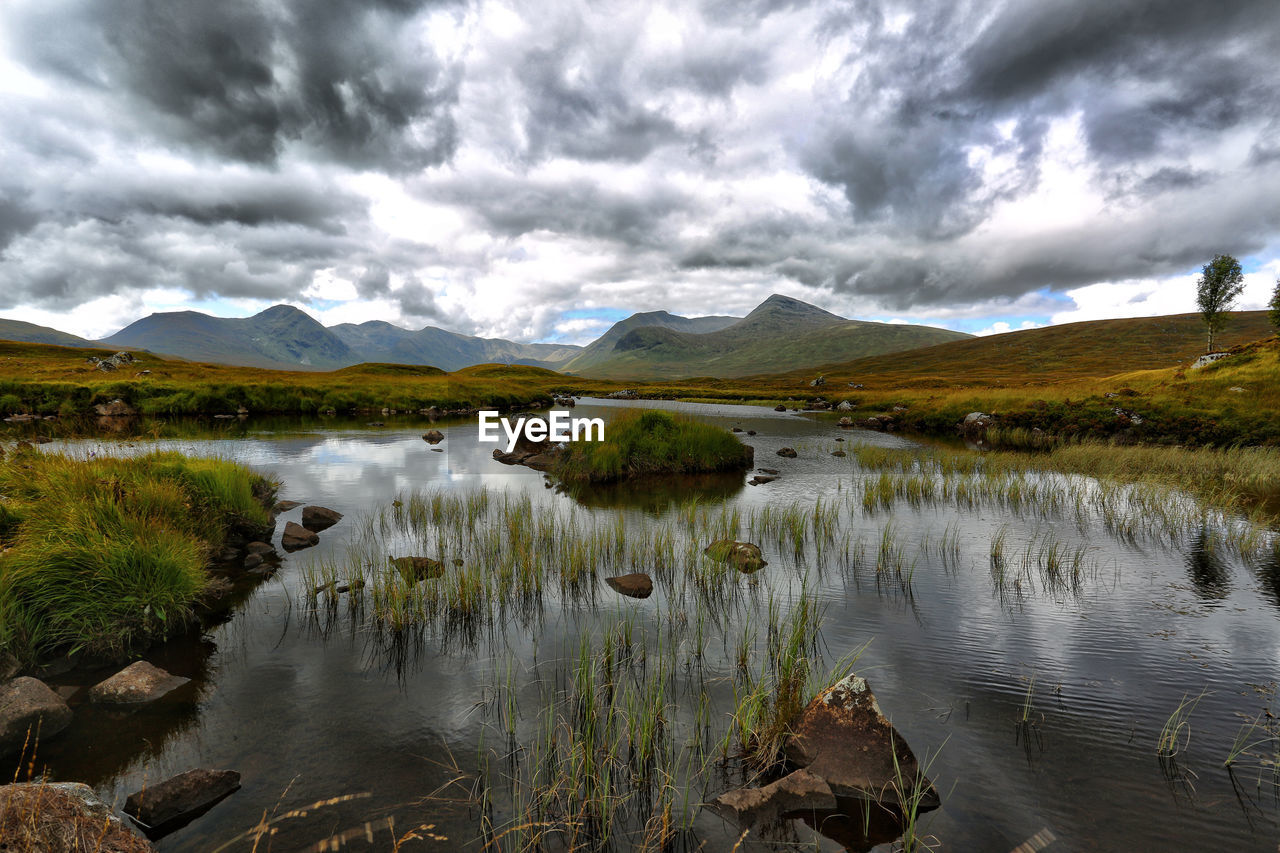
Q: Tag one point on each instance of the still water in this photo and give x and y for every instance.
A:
(308, 708)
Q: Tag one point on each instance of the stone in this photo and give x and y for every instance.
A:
(761, 479)
(744, 556)
(846, 422)
(634, 585)
(164, 807)
(736, 429)
(799, 791)
(779, 408)
(319, 518)
(137, 683)
(285, 506)
(252, 561)
(1210, 358)
(433, 436)
(839, 453)
(773, 471)
(115, 409)
(414, 569)
(787, 452)
(27, 704)
(842, 737)
(844, 406)
(62, 817)
(262, 549)
(751, 432)
(296, 537)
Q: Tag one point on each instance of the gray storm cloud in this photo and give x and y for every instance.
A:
(715, 151)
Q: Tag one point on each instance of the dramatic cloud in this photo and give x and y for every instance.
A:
(534, 171)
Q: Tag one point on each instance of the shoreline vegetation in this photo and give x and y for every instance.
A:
(105, 555)
(1229, 402)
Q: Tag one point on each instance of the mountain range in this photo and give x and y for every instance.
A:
(778, 335)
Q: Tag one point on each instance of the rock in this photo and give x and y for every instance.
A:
(414, 569)
(115, 409)
(761, 479)
(799, 791)
(1127, 418)
(773, 471)
(844, 406)
(1210, 358)
(9, 666)
(135, 684)
(779, 408)
(838, 453)
(751, 432)
(433, 436)
(625, 394)
(262, 549)
(227, 554)
(319, 518)
(162, 808)
(821, 380)
(635, 585)
(285, 506)
(106, 366)
(846, 422)
(839, 439)
(252, 561)
(744, 556)
(736, 429)
(881, 423)
(27, 704)
(1236, 389)
(62, 817)
(296, 537)
(567, 402)
(842, 737)
(788, 452)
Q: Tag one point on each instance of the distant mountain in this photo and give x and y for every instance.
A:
(378, 341)
(280, 337)
(17, 330)
(781, 334)
(600, 351)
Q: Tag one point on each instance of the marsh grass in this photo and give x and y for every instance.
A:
(644, 443)
(108, 553)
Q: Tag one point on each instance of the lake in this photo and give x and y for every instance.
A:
(1029, 648)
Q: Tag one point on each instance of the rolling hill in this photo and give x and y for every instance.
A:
(1073, 351)
(781, 334)
(30, 333)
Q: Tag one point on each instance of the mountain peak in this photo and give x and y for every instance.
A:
(280, 312)
(778, 305)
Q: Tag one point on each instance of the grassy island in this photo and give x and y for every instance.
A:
(104, 554)
(645, 443)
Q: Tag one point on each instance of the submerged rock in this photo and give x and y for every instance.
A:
(839, 453)
(62, 817)
(635, 585)
(136, 684)
(761, 479)
(319, 518)
(28, 705)
(162, 808)
(433, 436)
(414, 569)
(800, 791)
(788, 452)
(843, 737)
(779, 408)
(285, 506)
(296, 537)
(744, 556)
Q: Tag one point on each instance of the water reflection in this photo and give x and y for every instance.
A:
(1205, 566)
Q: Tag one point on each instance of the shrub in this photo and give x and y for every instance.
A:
(653, 442)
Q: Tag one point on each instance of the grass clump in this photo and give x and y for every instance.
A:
(653, 442)
(104, 554)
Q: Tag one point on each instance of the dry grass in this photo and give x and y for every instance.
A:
(39, 818)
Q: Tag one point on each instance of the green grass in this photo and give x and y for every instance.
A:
(652, 442)
(104, 555)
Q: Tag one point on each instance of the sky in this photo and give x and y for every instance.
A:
(536, 171)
